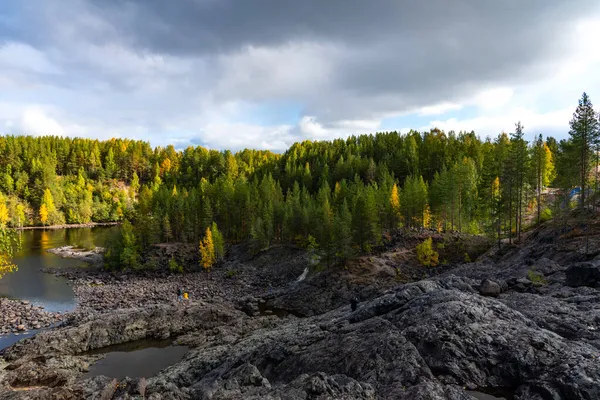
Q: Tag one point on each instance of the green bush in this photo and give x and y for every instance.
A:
(231, 273)
(536, 278)
(175, 267)
(426, 255)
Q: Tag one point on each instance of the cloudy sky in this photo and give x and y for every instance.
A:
(266, 73)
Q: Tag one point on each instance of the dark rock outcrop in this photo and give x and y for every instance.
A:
(431, 339)
(583, 274)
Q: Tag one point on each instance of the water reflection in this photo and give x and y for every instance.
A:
(29, 283)
(145, 362)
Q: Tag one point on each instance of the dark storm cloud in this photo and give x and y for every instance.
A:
(397, 53)
(208, 26)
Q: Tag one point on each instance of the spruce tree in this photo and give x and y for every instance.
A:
(343, 232)
(520, 162)
(585, 135)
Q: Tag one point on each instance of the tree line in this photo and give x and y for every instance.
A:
(340, 197)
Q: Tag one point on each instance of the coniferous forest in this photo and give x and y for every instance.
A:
(337, 197)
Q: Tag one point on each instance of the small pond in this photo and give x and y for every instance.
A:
(139, 359)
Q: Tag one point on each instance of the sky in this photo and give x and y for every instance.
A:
(235, 74)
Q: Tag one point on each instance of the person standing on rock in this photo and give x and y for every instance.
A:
(180, 295)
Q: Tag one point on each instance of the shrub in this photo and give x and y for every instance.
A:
(175, 267)
(426, 255)
(231, 273)
(536, 278)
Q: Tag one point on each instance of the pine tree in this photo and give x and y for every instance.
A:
(218, 241)
(135, 185)
(326, 232)
(343, 232)
(520, 162)
(585, 135)
(167, 231)
(130, 254)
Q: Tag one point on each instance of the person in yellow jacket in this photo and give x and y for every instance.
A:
(185, 296)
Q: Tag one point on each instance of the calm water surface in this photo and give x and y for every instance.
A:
(29, 283)
(139, 359)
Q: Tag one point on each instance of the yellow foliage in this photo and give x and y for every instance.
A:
(427, 216)
(395, 199)
(496, 187)
(207, 250)
(426, 255)
(6, 265)
(44, 214)
(3, 213)
(166, 165)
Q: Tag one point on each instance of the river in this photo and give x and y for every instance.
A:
(29, 283)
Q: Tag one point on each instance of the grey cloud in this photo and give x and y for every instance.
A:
(211, 26)
(350, 59)
(401, 54)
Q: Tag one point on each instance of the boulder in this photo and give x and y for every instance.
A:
(583, 274)
(490, 288)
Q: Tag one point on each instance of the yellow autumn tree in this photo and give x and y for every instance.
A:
(207, 251)
(3, 211)
(427, 216)
(395, 206)
(43, 214)
(426, 255)
(8, 242)
(165, 166)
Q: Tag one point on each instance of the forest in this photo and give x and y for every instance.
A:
(340, 198)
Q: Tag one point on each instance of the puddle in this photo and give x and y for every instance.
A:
(144, 358)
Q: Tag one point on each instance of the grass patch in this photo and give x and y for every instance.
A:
(537, 278)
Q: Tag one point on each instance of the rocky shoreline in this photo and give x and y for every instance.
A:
(20, 316)
(93, 256)
(67, 226)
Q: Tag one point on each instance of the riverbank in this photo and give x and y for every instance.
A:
(20, 316)
(67, 226)
(241, 279)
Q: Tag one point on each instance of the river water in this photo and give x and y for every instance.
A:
(29, 283)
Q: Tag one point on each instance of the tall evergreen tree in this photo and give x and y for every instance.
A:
(585, 135)
(520, 163)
